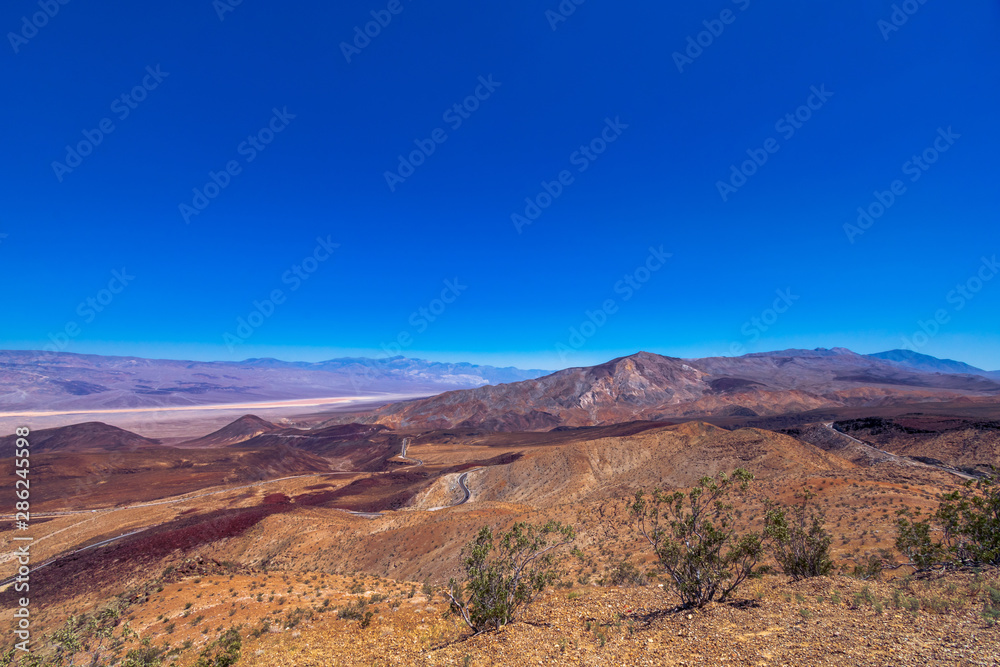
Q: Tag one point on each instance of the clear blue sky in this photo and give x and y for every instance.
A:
(547, 93)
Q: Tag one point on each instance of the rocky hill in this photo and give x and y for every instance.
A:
(85, 437)
(653, 387)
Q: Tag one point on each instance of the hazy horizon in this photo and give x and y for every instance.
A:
(497, 360)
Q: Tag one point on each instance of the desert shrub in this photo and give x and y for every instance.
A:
(901, 600)
(92, 637)
(864, 596)
(504, 573)
(223, 652)
(868, 569)
(624, 574)
(67, 639)
(694, 537)
(357, 611)
(296, 616)
(265, 626)
(970, 519)
(146, 655)
(913, 540)
(800, 542)
(969, 523)
(23, 659)
(991, 606)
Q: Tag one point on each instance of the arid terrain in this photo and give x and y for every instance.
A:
(293, 530)
(63, 382)
(654, 387)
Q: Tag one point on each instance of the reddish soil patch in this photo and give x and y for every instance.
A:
(108, 569)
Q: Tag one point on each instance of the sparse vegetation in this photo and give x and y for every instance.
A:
(703, 535)
(624, 574)
(871, 568)
(357, 611)
(505, 573)
(694, 537)
(991, 606)
(146, 655)
(968, 520)
(800, 542)
(223, 652)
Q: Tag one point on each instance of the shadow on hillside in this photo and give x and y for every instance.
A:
(647, 618)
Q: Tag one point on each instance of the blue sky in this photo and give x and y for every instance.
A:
(631, 140)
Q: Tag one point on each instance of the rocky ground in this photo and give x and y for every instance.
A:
(321, 620)
(826, 621)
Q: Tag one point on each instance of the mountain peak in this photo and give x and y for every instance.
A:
(241, 430)
(650, 386)
(652, 357)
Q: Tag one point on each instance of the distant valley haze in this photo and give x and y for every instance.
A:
(36, 381)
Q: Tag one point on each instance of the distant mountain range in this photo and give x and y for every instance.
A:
(642, 387)
(41, 381)
(924, 362)
(657, 386)
(653, 387)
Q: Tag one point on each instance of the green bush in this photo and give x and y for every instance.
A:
(358, 611)
(991, 607)
(504, 573)
(968, 520)
(694, 537)
(223, 652)
(624, 574)
(146, 655)
(913, 539)
(869, 569)
(801, 543)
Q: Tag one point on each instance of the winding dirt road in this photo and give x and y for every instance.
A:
(896, 458)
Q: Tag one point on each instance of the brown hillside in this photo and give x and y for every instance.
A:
(241, 430)
(647, 386)
(86, 437)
